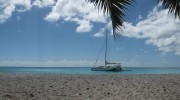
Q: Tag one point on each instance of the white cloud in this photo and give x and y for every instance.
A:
(21, 5)
(140, 17)
(81, 12)
(50, 63)
(84, 26)
(102, 31)
(7, 7)
(43, 3)
(159, 29)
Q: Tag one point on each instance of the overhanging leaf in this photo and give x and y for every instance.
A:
(173, 6)
(114, 8)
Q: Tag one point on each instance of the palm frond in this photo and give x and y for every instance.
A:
(173, 6)
(114, 8)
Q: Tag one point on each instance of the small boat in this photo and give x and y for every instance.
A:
(107, 66)
(114, 67)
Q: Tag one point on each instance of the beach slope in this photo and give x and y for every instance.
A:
(89, 87)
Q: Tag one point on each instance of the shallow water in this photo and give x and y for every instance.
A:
(87, 70)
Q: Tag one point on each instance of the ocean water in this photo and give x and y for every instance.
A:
(87, 70)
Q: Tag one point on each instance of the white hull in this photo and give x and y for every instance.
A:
(108, 68)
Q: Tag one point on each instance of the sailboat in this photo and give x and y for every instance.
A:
(108, 66)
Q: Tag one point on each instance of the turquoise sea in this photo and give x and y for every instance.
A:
(87, 70)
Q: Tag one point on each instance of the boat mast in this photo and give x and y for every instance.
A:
(106, 50)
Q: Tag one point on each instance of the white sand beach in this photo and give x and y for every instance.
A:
(89, 87)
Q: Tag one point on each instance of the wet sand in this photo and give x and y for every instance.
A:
(89, 87)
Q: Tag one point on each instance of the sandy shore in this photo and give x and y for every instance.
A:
(89, 87)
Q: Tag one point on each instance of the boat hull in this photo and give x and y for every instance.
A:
(106, 69)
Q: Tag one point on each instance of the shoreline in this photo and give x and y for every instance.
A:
(89, 87)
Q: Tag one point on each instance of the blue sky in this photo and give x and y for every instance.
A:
(61, 33)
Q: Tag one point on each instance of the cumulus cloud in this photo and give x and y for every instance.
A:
(43, 3)
(159, 29)
(7, 7)
(102, 31)
(84, 26)
(81, 12)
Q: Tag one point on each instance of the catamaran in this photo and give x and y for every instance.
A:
(108, 66)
